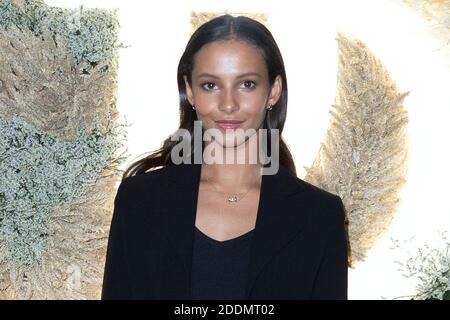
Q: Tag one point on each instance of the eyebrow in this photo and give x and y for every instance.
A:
(239, 76)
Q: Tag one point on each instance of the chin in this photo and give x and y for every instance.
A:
(233, 143)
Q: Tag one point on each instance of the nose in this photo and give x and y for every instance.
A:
(228, 102)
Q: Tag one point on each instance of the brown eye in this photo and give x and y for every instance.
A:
(249, 84)
(208, 86)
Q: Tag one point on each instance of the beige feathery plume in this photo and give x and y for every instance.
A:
(72, 266)
(199, 18)
(19, 4)
(437, 14)
(41, 82)
(363, 157)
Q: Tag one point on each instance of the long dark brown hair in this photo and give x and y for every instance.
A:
(225, 27)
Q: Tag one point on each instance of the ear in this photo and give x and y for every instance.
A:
(189, 93)
(275, 91)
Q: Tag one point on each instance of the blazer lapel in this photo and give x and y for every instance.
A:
(279, 218)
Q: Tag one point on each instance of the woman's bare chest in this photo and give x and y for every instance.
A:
(223, 220)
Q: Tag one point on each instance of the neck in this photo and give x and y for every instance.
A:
(236, 176)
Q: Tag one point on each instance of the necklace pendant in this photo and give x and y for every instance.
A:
(232, 198)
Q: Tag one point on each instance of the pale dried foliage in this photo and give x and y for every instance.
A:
(72, 267)
(19, 4)
(437, 14)
(363, 157)
(41, 82)
(199, 18)
(436, 10)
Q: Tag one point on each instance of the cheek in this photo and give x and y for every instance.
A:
(253, 113)
(252, 100)
(253, 107)
(250, 103)
(205, 102)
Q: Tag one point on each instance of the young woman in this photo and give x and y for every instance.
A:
(224, 229)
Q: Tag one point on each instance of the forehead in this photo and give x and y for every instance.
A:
(228, 57)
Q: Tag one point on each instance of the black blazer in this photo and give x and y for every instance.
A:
(299, 248)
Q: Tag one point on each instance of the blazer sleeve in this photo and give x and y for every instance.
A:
(332, 278)
(116, 280)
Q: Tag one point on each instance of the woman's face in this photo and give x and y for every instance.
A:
(230, 82)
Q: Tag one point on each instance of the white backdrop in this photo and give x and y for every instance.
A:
(305, 30)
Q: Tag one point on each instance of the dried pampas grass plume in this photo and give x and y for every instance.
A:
(363, 157)
(72, 266)
(41, 82)
(437, 16)
(199, 18)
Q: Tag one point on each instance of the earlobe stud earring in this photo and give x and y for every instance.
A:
(269, 107)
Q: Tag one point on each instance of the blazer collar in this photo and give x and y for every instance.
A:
(279, 218)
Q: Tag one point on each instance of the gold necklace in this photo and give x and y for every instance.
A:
(231, 198)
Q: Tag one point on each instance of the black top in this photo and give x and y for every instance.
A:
(298, 252)
(219, 268)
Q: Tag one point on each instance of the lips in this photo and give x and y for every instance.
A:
(229, 124)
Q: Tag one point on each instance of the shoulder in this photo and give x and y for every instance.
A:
(328, 206)
(318, 192)
(154, 176)
(134, 186)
